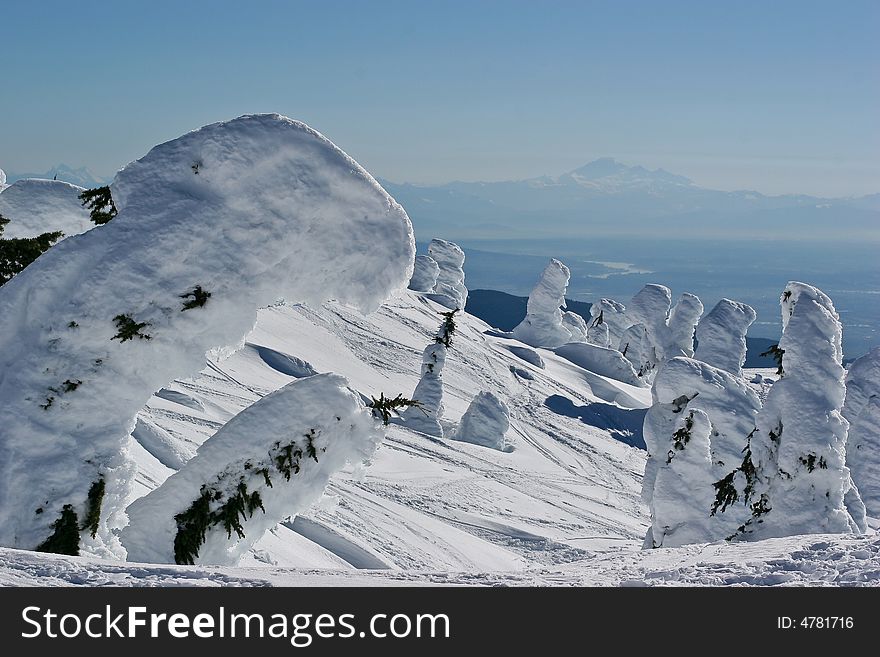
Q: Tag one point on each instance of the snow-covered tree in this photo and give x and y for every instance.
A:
(678, 509)
(576, 326)
(449, 290)
(485, 422)
(668, 331)
(35, 206)
(543, 325)
(682, 324)
(862, 409)
(650, 307)
(715, 504)
(278, 227)
(268, 463)
(425, 273)
(799, 446)
(18, 253)
(429, 393)
(721, 335)
(608, 322)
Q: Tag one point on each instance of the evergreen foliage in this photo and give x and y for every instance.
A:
(199, 298)
(93, 507)
(383, 406)
(776, 353)
(128, 329)
(447, 329)
(100, 204)
(18, 253)
(65, 537)
(210, 509)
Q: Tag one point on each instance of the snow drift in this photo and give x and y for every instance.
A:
(211, 226)
(283, 448)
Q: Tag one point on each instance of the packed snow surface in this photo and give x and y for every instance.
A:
(247, 211)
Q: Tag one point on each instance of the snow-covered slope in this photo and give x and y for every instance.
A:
(571, 483)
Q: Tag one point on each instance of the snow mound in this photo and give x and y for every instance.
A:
(861, 408)
(449, 290)
(721, 335)
(799, 445)
(485, 422)
(425, 273)
(529, 355)
(543, 325)
(245, 211)
(34, 206)
(283, 448)
(602, 361)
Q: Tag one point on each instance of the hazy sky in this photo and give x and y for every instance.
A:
(774, 96)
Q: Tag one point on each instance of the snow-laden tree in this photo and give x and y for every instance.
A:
(650, 307)
(575, 325)
(681, 326)
(862, 409)
(211, 227)
(3, 184)
(543, 325)
(637, 348)
(721, 335)
(669, 330)
(715, 501)
(428, 393)
(425, 414)
(799, 446)
(485, 422)
(265, 465)
(425, 273)
(34, 206)
(608, 322)
(678, 508)
(449, 290)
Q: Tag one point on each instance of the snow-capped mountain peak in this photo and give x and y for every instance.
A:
(606, 171)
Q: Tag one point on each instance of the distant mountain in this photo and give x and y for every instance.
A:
(504, 311)
(81, 177)
(609, 198)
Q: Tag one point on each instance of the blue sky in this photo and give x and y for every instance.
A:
(775, 96)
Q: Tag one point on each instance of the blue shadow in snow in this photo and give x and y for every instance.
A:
(624, 424)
